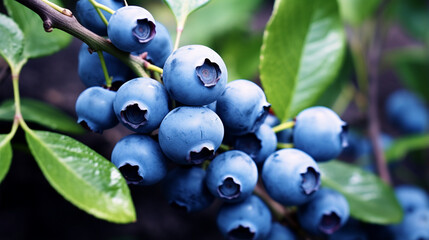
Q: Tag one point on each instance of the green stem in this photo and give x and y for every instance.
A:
(102, 7)
(284, 145)
(62, 10)
(284, 126)
(100, 14)
(18, 115)
(224, 147)
(152, 67)
(105, 71)
(179, 31)
(12, 132)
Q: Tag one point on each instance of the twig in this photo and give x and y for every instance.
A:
(54, 19)
(373, 62)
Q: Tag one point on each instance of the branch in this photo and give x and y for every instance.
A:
(68, 23)
(374, 56)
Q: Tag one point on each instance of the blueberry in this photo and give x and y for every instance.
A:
(131, 28)
(190, 135)
(242, 107)
(91, 73)
(195, 75)
(414, 226)
(141, 104)
(259, 144)
(160, 46)
(185, 189)
(89, 18)
(139, 159)
(250, 219)
(407, 112)
(320, 132)
(279, 231)
(94, 108)
(352, 230)
(271, 120)
(232, 176)
(290, 176)
(284, 136)
(411, 198)
(326, 213)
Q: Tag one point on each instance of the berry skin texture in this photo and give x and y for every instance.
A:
(89, 18)
(242, 107)
(279, 231)
(327, 212)
(185, 189)
(139, 159)
(94, 108)
(411, 198)
(160, 46)
(141, 104)
(259, 145)
(232, 176)
(320, 132)
(195, 75)
(91, 73)
(414, 226)
(190, 135)
(290, 176)
(250, 219)
(131, 28)
(407, 112)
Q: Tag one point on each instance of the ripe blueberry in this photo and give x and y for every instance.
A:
(131, 28)
(195, 75)
(190, 135)
(91, 73)
(160, 46)
(94, 108)
(411, 198)
(290, 176)
(259, 144)
(89, 18)
(232, 176)
(250, 219)
(242, 107)
(320, 132)
(139, 159)
(407, 112)
(141, 104)
(185, 188)
(325, 213)
(279, 231)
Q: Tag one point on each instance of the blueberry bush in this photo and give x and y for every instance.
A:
(285, 119)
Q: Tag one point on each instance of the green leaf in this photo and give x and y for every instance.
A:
(11, 44)
(182, 8)
(82, 176)
(5, 155)
(41, 113)
(370, 199)
(240, 51)
(357, 11)
(400, 147)
(302, 52)
(38, 43)
(235, 14)
(412, 15)
(412, 64)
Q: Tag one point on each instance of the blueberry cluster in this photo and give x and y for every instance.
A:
(217, 135)
(415, 204)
